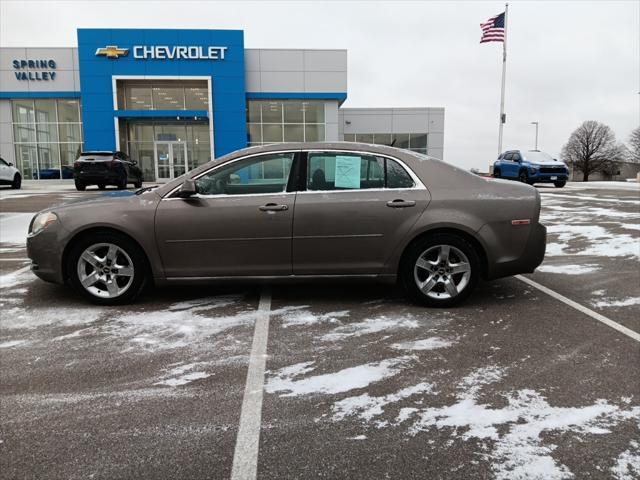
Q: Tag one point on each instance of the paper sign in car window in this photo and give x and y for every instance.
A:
(347, 172)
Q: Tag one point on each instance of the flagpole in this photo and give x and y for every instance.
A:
(504, 74)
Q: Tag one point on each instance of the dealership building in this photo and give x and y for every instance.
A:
(173, 99)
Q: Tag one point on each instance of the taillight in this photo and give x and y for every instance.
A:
(113, 164)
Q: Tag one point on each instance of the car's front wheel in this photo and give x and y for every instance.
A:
(17, 182)
(560, 184)
(523, 177)
(440, 270)
(81, 187)
(107, 268)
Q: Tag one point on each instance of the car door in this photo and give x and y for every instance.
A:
(239, 223)
(508, 170)
(6, 173)
(352, 214)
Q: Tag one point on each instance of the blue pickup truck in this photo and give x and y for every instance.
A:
(531, 167)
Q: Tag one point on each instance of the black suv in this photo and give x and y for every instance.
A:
(106, 168)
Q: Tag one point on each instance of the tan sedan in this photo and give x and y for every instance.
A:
(297, 211)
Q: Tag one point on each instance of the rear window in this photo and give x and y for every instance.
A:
(96, 156)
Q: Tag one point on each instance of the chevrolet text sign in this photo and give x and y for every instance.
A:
(159, 52)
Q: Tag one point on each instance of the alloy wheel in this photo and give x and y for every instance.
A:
(442, 272)
(105, 270)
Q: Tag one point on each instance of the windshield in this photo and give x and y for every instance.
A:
(538, 157)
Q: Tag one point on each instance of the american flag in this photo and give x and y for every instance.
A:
(493, 29)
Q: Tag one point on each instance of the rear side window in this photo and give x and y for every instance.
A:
(516, 157)
(397, 176)
(351, 171)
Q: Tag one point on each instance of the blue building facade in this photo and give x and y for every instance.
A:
(174, 99)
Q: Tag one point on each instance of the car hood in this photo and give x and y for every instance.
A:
(549, 164)
(108, 203)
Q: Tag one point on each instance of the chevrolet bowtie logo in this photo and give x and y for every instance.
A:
(111, 51)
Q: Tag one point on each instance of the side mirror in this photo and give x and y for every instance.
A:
(188, 188)
(10, 164)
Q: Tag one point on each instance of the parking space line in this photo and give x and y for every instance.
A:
(595, 315)
(14, 259)
(245, 455)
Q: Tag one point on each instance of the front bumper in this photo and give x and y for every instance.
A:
(45, 252)
(548, 177)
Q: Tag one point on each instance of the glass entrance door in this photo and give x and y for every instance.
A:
(171, 160)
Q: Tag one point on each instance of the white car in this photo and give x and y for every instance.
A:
(9, 175)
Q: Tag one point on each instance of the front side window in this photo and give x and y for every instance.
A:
(261, 174)
(351, 171)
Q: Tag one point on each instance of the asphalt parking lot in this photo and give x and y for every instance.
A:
(358, 382)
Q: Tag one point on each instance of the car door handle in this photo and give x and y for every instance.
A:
(399, 203)
(272, 207)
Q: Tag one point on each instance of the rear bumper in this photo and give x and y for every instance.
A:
(531, 258)
(91, 178)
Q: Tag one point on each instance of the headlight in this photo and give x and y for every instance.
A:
(42, 221)
(533, 168)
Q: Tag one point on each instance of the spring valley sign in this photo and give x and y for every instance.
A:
(34, 70)
(163, 52)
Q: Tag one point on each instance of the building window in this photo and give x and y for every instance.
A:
(165, 95)
(47, 135)
(279, 121)
(416, 142)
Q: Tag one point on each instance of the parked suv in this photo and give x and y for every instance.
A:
(9, 175)
(106, 168)
(531, 167)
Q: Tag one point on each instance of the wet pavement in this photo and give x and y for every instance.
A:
(359, 382)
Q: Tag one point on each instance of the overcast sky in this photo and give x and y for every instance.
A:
(567, 61)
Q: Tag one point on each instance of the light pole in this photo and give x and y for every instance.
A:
(536, 124)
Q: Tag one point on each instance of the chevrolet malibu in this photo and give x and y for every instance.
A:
(293, 212)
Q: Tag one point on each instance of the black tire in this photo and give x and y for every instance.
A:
(102, 186)
(496, 173)
(560, 184)
(17, 182)
(138, 184)
(523, 176)
(80, 186)
(140, 264)
(418, 248)
(122, 184)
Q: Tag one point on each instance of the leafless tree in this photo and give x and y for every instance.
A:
(634, 145)
(592, 148)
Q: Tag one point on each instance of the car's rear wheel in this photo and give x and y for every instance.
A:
(440, 270)
(496, 173)
(122, 184)
(102, 186)
(560, 184)
(107, 268)
(17, 182)
(80, 186)
(138, 184)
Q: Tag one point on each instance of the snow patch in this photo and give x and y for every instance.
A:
(12, 343)
(430, 343)
(369, 326)
(569, 269)
(306, 317)
(625, 302)
(286, 382)
(366, 407)
(179, 377)
(627, 465)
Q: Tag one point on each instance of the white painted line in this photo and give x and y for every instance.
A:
(245, 456)
(20, 271)
(595, 315)
(14, 259)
